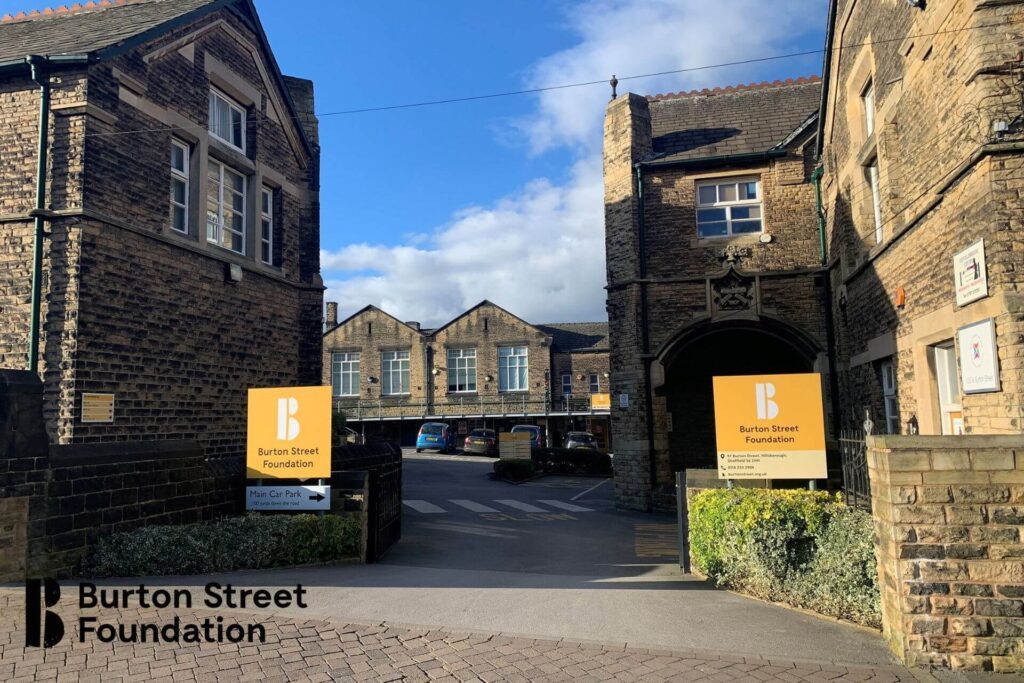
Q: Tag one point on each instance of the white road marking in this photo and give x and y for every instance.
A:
(472, 506)
(424, 507)
(566, 506)
(580, 495)
(525, 507)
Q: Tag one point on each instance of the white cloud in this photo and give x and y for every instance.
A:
(540, 251)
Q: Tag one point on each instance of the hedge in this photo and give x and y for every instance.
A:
(804, 548)
(515, 469)
(572, 461)
(249, 542)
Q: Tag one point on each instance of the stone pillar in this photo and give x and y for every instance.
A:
(332, 315)
(948, 515)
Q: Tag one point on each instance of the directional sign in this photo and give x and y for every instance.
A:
(287, 498)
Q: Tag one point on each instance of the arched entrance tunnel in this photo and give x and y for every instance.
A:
(723, 348)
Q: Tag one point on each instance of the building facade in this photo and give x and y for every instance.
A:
(485, 368)
(180, 255)
(922, 142)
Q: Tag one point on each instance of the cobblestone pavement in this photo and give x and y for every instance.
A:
(316, 650)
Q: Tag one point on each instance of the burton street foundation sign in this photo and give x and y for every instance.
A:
(289, 434)
(770, 427)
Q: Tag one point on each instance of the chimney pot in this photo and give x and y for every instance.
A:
(332, 313)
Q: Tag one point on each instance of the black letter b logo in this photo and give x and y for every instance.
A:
(53, 627)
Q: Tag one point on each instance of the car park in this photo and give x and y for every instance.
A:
(481, 441)
(436, 435)
(580, 440)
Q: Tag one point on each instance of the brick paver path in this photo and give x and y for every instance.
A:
(317, 650)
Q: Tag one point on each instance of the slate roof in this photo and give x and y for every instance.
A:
(86, 28)
(734, 120)
(577, 337)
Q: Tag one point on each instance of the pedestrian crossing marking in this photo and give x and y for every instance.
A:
(518, 505)
(472, 506)
(565, 506)
(424, 507)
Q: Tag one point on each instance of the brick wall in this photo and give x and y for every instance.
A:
(948, 516)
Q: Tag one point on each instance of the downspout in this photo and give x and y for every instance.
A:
(645, 340)
(830, 331)
(39, 75)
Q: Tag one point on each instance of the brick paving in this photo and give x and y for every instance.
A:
(318, 650)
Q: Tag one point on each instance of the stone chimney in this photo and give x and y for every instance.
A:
(627, 140)
(332, 314)
(413, 324)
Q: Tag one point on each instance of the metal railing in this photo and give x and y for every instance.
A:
(856, 483)
(397, 407)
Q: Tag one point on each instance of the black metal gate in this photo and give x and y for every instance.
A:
(384, 512)
(856, 484)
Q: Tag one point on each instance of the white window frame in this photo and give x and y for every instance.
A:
(345, 365)
(566, 384)
(729, 205)
(267, 224)
(182, 176)
(513, 359)
(892, 415)
(595, 383)
(394, 373)
(462, 369)
(867, 98)
(876, 200)
(232, 105)
(219, 225)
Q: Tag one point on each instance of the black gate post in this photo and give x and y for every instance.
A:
(683, 521)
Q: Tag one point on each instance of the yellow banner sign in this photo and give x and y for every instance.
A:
(770, 427)
(600, 401)
(289, 434)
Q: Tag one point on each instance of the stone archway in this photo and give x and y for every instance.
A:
(749, 346)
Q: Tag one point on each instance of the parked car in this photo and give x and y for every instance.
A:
(483, 441)
(536, 434)
(436, 435)
(580, 440)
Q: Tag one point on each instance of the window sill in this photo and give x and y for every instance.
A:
(231, 156)
(746, 239)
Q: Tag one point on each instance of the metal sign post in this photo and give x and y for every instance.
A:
(683, 522)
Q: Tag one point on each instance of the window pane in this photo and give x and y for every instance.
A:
(265, 201)
(712, 229)
(178, 218)
(707, 194)
(748, 190)
(744, 212)
(178, 191)
(177, 158)
(709, 215)
(236, 127)
(265, 230)
(739, 227)
(727, 193)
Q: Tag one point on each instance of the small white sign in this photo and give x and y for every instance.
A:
(623, 400)
(971, 274)
(287, 498)
(979, 357)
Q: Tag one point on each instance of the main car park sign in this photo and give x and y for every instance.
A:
(287, 498)
(289, 434)
(770, 427)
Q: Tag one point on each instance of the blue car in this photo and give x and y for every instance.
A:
(436, 435)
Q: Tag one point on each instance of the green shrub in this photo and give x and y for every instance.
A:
(515, 469)
(800, 547)
(249, 542)
(572, 461)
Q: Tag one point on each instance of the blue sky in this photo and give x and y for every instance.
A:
(426, 211)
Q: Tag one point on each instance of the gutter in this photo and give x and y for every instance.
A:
(826, 273)
(40, 74)
(645, 337)
(826, 73)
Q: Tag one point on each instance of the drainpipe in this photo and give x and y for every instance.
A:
(644, 332)
(830, 331)
(39, 75)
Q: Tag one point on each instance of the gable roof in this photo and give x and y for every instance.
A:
(731, 121)
(366, 309)
(483, 303)
(100, 29)
(577, 337)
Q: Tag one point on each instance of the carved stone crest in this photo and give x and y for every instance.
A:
(733, 292)
(732, 254)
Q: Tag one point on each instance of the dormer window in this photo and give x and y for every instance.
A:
(227, 120)
(726, 208)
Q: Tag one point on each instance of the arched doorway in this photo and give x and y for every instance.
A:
(699, 353)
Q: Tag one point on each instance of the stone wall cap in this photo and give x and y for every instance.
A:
(960, 442)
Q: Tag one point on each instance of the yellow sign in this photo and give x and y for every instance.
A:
(97, 407)
(289, 433)
(770, 427)
(600, 401)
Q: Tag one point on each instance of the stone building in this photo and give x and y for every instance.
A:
(922, 139)
(714, 264)
(179, 218)
(485, 368)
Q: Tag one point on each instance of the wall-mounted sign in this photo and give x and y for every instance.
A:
(971, 274)
(770, 427)
(285, 498)
(600, 401)
(979, 357)
(97, 407)
(289, 434)
(623, 400)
